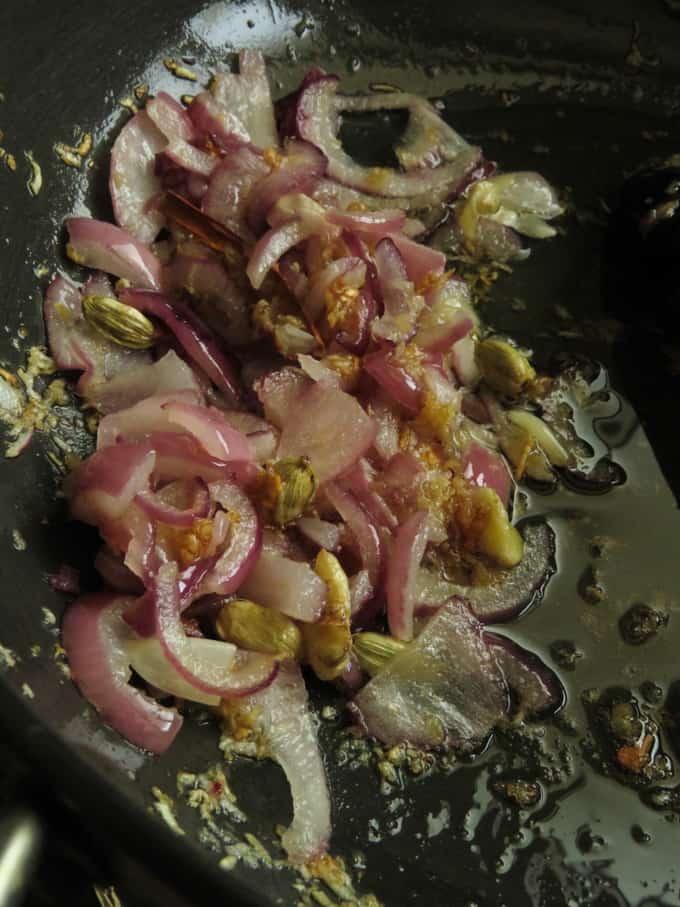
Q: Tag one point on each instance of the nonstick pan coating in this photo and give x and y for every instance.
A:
(583, 92)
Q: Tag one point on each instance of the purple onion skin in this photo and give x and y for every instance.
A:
(549, 696)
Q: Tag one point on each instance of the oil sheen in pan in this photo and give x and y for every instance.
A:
(451, 831)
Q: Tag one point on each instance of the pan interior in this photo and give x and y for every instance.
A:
(525, 95)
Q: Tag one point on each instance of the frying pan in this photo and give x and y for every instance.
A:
(584, 92)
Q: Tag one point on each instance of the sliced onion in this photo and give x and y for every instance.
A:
(213, 120)
(401, 303)
(317, 122)
(279, 391)
(168, 375)
(402, 567)
(138, 421)
(373, 225)
(193, 335)
(420, 261)
(289, 735)
(217, 437)
(180, 456)
(147, 658)
(330, 428)
(229, 189)
(535, 687)
(248, 96)
(317, 371)
(513, 591)
(444, 688)
(427, 141)
(159, 507)
(384, 367)
(262, 437)
(387, 436)
(285, 585)
(364, 532)
(170, 118)
(94, 635)
(298, 171)
(402, 476)
(360, 480)
(221, 669)
(75, 345)
(464, 363)
(103, 486)
(346, 272)
(240, 556)
(133, 183)
(183, 157)
(320, 532)
(97, 244)
(487, 469)
(447, 318)
(273, 244)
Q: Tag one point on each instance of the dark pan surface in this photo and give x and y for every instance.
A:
(562, 88)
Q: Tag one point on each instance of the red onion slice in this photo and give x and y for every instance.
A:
(384, 367)
(170, 118)
(224, 671)
(288, 730)
(512, 592)
(360, 480)
(214, 121)
(320, 532)
(229, 189)
(343, 272)
(370, 225)
(464, 363)
(133, 183)
(158, 506)
(444, 688)
(248, 96)
(420, 261)
(147, 658)
(138, 421)
(447, 318)
(298, 171)
(96, 244)
(192, 334)
(487, 469)
(402, 567)
(180, 156)
(240, 556)
(285, 585)
(427, 141)
(364, 532)
(93, 634)
(330, 428)
(104, 485)
(213, 433)
(279, 391)
(274, 244)
(168, 375)
(75, 345)
(317, 122)
(536, 688)
(180, 456)
(400, 302)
